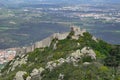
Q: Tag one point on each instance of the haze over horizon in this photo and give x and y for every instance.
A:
(61, 1)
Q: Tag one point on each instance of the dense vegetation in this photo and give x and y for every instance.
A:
(105, 67)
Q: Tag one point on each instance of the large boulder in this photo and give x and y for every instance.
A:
(77, 54)
(50, 65)
(88, 52)
(28, 78)
(37, 71)
(34, 72)
(41, 70)
(60, 61)
(19, 75)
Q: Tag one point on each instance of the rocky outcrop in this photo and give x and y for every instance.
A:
(88, 52)
(36, 73)
(94, 38)
(86, 63)
(53, 64)
(55, 45)
(17, 62)
(72, 58)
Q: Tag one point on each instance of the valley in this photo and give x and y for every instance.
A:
(37, 21)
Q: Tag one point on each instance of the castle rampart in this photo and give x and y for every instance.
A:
(47, 41)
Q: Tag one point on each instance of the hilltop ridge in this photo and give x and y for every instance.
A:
(73, 55)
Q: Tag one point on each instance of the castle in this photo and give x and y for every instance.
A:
(47, 41)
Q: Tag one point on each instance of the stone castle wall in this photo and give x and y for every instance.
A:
(47, 41)
(41, 44)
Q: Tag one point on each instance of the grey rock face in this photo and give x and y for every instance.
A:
(53, 64)
(36, 73)
(73, 57)
(19, 63)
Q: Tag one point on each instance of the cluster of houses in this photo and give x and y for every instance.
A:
(7, 55)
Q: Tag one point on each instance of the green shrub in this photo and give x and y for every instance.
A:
(25, 76)
(86, 59)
